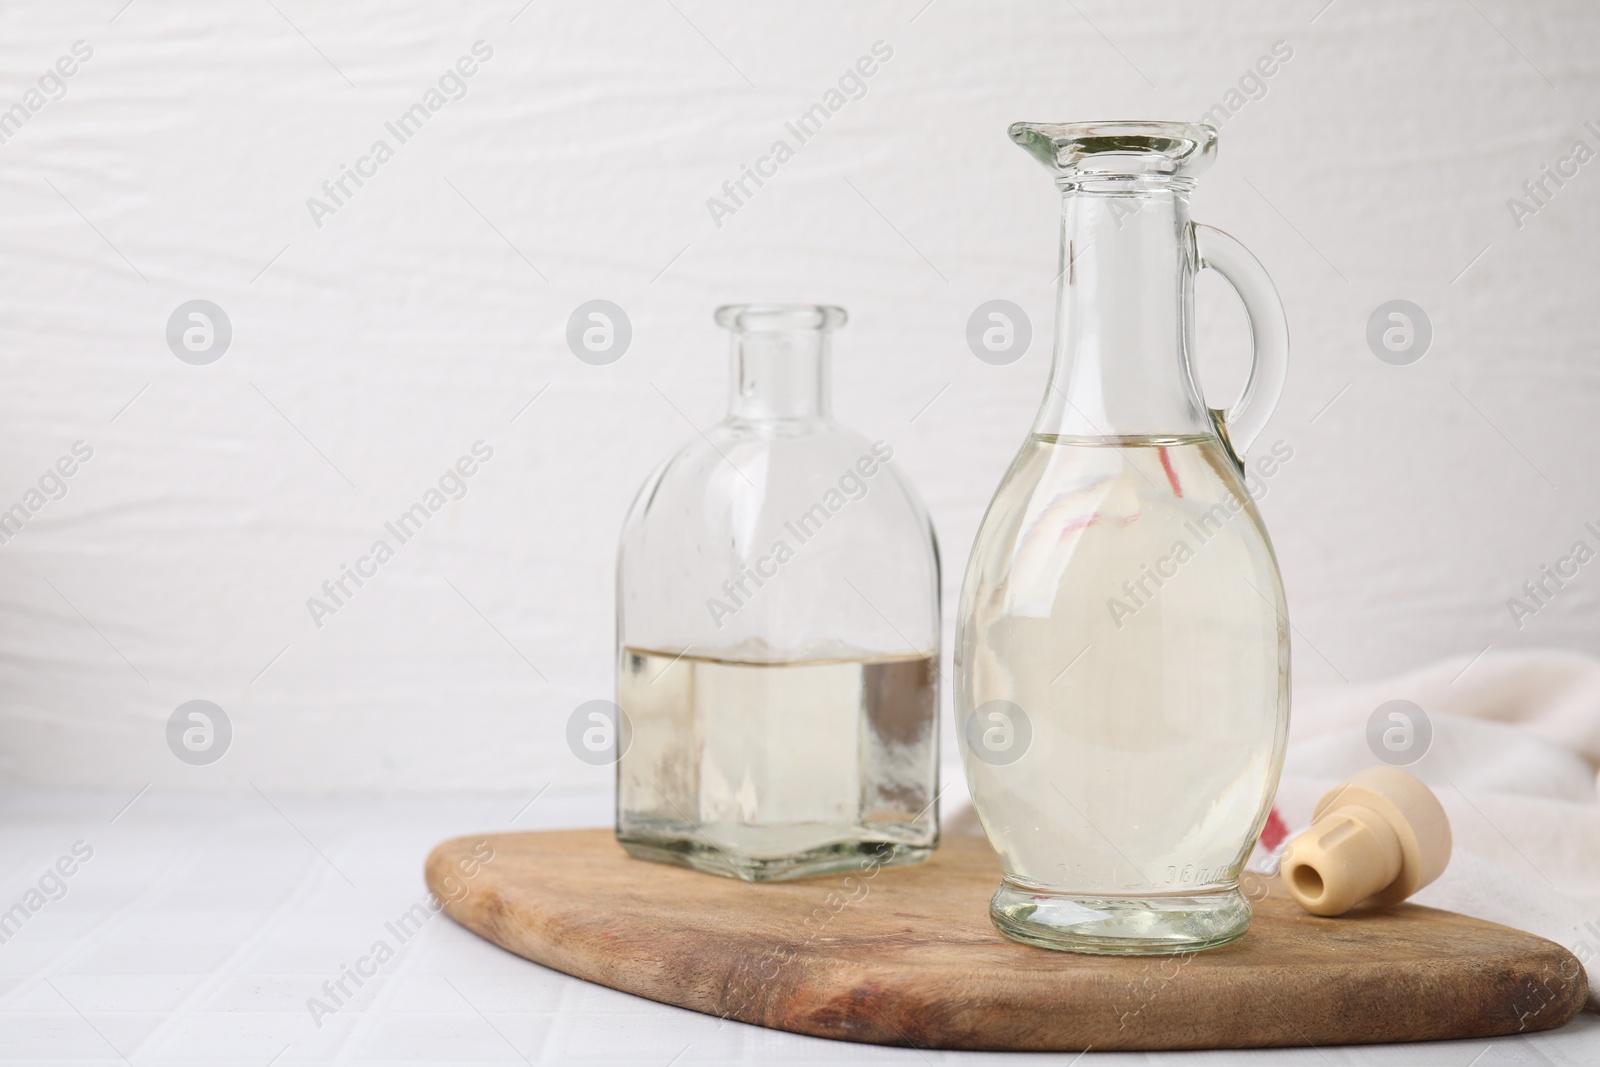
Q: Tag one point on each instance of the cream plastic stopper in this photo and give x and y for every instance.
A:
(1380, 837)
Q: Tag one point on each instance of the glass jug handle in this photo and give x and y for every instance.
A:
(1239, 424)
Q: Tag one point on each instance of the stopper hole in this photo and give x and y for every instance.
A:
(1308, 882)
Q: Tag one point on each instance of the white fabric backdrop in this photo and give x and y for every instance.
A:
(371, 352)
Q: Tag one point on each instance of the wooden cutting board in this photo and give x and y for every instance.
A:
(907, 956)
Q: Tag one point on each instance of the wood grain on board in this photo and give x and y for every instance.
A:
(907, 956)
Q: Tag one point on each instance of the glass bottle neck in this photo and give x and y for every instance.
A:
(780, 374)
(1124, 313)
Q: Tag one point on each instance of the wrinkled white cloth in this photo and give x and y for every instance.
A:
(1514, 757)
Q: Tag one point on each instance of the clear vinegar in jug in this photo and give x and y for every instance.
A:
(1122, 659)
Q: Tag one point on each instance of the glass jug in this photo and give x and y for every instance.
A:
(1122, 651)
(778, 632)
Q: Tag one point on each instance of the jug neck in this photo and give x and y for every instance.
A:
(1124, 313)
(780, 361)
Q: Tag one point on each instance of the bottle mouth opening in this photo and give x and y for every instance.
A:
(752, 318)
(1119, 149)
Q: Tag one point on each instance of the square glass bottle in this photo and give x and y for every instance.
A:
(778, 632)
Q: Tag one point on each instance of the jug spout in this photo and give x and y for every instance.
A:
(1090, 151)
